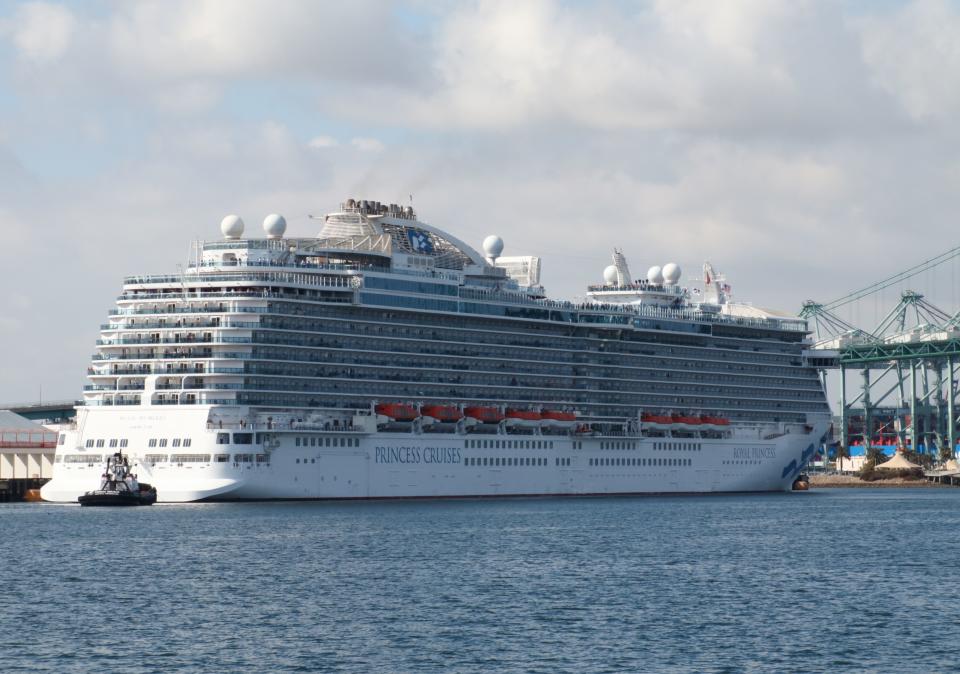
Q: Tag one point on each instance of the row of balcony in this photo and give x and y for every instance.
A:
(686, 314)
(204, 339)
(325, 313)
(647, 397)
(285, 277)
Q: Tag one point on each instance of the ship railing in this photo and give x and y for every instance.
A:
(171, 342)
(128, 311)
(324, 266)
(436, 274)
(205, 401)
(230, 355)
(680, 313)
(281, 425)
(268, 276)
(642, 311)
(179, 326)
(185, 340)
(248, 244)
(632, 287)
(200, 294)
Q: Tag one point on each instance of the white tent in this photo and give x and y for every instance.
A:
(898, 461)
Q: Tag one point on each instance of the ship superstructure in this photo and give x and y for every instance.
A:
(387, 358)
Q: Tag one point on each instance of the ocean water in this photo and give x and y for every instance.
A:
(824, 581)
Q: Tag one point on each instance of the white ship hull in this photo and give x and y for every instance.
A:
(378, 465)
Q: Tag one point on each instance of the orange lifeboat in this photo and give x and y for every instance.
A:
(524, 415)
(557, 415)
(397, 411)
(558, 418)
(657, 420)
(441, 412)
(523, 418)
(485, 415)
(716, 423)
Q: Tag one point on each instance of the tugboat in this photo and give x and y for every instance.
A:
(119, 487)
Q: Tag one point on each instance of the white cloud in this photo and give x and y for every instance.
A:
(771, 137)
(322, 142)
(914, 53)
(42, 32)
(367, 144)
(502, 64)
(294, 38)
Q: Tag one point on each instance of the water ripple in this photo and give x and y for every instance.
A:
(840, 580)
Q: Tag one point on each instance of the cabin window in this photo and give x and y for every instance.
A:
(222, 439)
(243, 438)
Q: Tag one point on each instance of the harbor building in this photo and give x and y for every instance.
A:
(26, 455)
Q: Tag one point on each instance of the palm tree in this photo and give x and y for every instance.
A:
(842, 453)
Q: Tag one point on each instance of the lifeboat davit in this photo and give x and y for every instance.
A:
(485, 415)
(527, 418)
(397, 411)
(442, 413)
(558, 418)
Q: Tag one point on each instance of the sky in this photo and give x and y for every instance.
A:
(804, 148)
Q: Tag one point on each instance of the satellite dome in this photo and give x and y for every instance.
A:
(655, 275)
(493, 246)
(610, 275)
(274, 225)
(671, 273)
(232, 226)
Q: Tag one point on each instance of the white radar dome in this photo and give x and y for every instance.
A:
(493, 246)
(274, 225)
(671, 273)
(655, 275)
(232, 226)
(610, 275)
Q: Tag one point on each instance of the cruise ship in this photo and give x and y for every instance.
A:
(385, 358)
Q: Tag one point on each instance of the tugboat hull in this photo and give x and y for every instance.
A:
(119, 498)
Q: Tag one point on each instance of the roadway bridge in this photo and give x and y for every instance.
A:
(49, 411)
